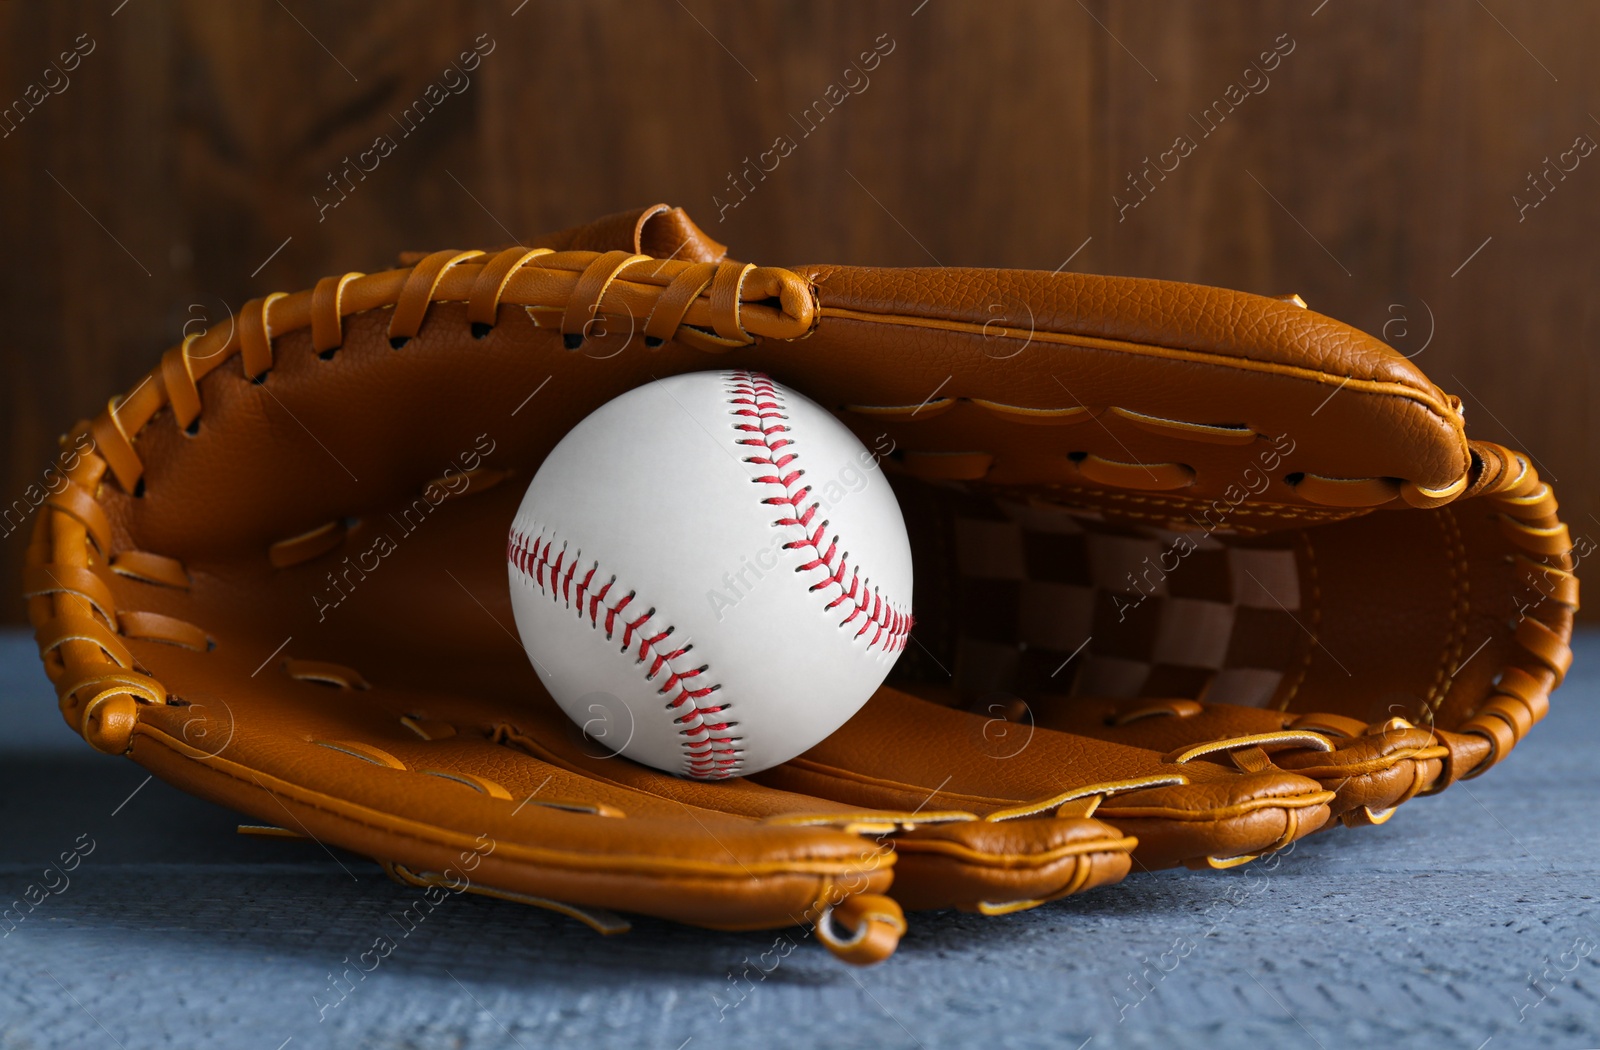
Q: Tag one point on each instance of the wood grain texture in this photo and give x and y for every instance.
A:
(196, 140)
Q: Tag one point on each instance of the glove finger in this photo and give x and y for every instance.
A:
(1090, 617)
(901, 751)
(1371, 768)
(1000, 867)
(415, 780)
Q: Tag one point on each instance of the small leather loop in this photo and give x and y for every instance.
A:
(1548, 540)
(1516, 478)
(1329, 724)
(1424, 498)
(1488, 465)
(1540, 502)
(1127, 714)
(1346, 492)
(1366, 816)
(482, 785)
(327, 317)
(98, 679)
(584, 305)
(429, 728)
(150, 568)
(310, 544)
(156, 627)
(411, 308)
(1532, 691)
(74, 500)
(1287, 737)
(1185, 430)
(483, 305)
(1557, 584)
(114, 446)
(364, 751)
(1220, 863)
(877, 924)
(255, 336)
(674, 301)
(1512, 711)
(324, 672)
(1291, 828)
(1387, 726)
(74, 627)
(643, 221)
(590, 809)
(108, 722)
(1049, 417)
(1518, 682)
(1538, 705)
(1145, 477)
(1080, 807)
(1500, 735)
(726, 288)
(1462, 751)
(177, 378)
(1251, 760)
(1545, 644)
(71, 579)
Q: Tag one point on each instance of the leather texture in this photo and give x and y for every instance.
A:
(1197, 573)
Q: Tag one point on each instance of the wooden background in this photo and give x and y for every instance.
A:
(1384, 153)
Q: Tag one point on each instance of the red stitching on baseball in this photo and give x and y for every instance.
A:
(760, 407)
(706, 757)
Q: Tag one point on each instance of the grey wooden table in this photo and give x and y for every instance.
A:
(1469, 920)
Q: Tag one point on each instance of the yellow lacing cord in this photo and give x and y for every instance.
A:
(684, 299)
(712, 307)
(1527, 511)
(78, 627)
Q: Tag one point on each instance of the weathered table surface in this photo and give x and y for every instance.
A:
(1468, 920)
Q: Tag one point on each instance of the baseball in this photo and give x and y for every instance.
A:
(710, 574)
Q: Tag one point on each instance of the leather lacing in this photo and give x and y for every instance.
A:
(713, 307)
(1526, 509)
(1320, 491)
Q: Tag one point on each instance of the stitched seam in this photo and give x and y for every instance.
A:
(711, 748)
(45, 542)
(231, 348)
(1498, 500)
(1246, 515)
(1316, 514)
(759, 415)
(1220, 359)
(233, 345)
(622, 863)
(1460, 599)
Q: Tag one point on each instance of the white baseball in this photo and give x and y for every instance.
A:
(710, 574)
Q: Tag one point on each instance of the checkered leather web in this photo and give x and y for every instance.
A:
(1044, 600)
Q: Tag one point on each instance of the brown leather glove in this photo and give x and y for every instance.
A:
(1213, 568)
(275, 578)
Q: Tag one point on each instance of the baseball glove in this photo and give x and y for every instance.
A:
(1229, 585)
(276, 579)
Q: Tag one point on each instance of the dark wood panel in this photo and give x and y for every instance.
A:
(199, 140)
